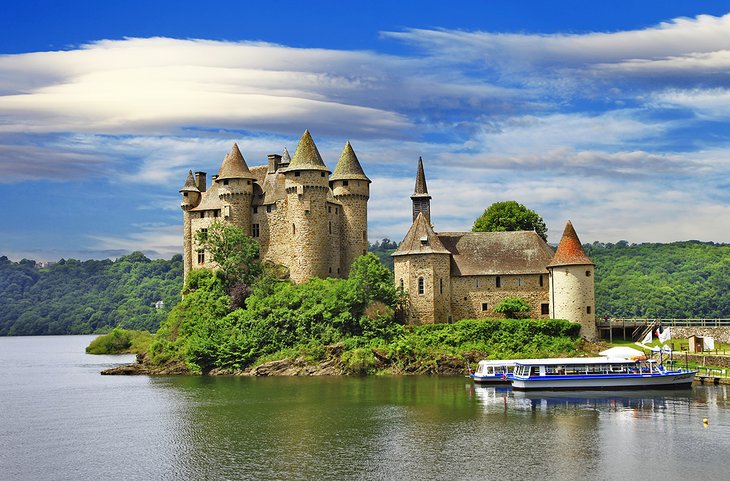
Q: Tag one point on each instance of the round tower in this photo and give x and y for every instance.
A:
(190, 199)
(307, 185)
(572, 295)
(235, 190)
(351, 187)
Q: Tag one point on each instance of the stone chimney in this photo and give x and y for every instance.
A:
(200, 181)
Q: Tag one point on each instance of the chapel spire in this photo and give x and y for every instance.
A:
(421, 199)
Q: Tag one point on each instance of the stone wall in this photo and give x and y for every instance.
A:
(572, 297)
(354, 230)
(721, 334)
(433, 305)
(470, 293)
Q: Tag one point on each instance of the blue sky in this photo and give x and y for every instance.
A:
(615, 115)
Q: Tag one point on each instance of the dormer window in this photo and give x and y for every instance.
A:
(424, 241)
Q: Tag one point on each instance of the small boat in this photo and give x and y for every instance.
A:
(494, 372)
(596, 373)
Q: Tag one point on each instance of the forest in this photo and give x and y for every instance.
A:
(688, 279)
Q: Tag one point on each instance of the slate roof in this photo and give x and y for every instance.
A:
(234, 166)
(421, 189)
(306, 157)
(190, 184)
(570, 251)
(210, 200)
(348, 167)
(496, 253)
(420, 239)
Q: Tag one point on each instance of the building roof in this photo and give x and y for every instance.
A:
(190, 184)
(421, 189)
(420, 239)
(234, 166)
(285, 157)
(210, 200)
(496, 253)
(348, 167)
(306, 157)
(570, 251)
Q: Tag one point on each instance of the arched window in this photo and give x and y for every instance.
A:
(421, 285)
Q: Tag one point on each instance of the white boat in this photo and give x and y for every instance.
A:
(494, 372)
(596, 373)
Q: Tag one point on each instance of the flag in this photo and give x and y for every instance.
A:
(647, 338)
(665, 335)
(709, 344)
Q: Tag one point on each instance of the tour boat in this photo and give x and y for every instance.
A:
(596, 373)
(494, 372)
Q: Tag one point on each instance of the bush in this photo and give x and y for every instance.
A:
(120, 341)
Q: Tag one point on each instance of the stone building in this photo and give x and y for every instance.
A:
(463, 275)
(304, 216)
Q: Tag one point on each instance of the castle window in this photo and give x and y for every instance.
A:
(498, 281)
(268, 208)
(297, 174)
(329, 209)
(542, 281)
(322, 174)
(588, 274)
(520, 281)
(330, 227)
(441, 286)
(204, 233)
(185, 194)
(401, 284)
(345, 182)
(201, 257)
(588, 309)
(338, 270)
(255, 230)
(202, 215)
(255, 210)
(337, 210)
(477, 282)
(421, 286)
(293, 229)
(544, 309)
(216, 213)
(330, 270)
(248, 183)
(485, 306)
(225, 181)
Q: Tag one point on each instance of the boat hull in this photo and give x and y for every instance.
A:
(670, 380)
(492, 380)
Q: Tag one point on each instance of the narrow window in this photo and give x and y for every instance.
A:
(519, 281)
(204, 233)
(248, 183)
(255, 210)
(401, 284)
(322, 174)
(330, 227)
(441, 286)
(588, 309)
(588, 273)
(225, 181)
(202, 215)
(201, 257)
(329, 209)
(337, 210)
(477, 283)
(421, 287)
(216, 213)
(498, 281)
(542, 281)
(345, 182)
(256, 230)
(293, 229)
(544, 309)
(485, 306)
(268, 208)
(185, 194)
(364, 235)
(297, 174)
(330, 270)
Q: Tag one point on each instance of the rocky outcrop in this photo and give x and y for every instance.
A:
(144, 367)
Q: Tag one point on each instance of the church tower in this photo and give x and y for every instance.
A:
(235, 190)
(420, 198)
(190, 200)
(351, 187)
(572, 295)
(307, 186)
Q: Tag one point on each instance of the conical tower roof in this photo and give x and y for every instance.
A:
(234, 166)
(421, 239)
(190, 184)
(570, 251)
(285, 157)
(306, 157)
(348, 167)
(421, 188)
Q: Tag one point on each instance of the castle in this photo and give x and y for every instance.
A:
(304, 216)
(464, 275)
(314, 222)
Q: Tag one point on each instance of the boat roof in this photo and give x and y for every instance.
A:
(500, 362)
(560, 361)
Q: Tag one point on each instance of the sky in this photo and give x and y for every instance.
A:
(614, 115)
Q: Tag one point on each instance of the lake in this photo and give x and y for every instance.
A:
(60, 419)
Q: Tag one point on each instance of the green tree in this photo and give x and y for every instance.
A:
(236, 254)
(510, 216)
(512, 307)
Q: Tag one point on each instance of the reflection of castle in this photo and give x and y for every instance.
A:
(304, 218)
(463, 275)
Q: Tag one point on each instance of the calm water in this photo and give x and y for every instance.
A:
(59, 419)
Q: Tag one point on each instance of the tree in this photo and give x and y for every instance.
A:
(235, 253)
(512, 307)
(510, 216)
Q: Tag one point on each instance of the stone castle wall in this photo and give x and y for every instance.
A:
(354, 222)
(433, 305)
(470, 293)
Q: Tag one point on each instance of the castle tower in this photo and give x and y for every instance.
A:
(191, 198)
(235, 190)
(351, 187)
(572, 295)
(421, 199)
(422, 270)
(307, 185)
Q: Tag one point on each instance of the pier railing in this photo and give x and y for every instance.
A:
(633, 322)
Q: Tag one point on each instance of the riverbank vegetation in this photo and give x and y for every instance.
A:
(121, 341)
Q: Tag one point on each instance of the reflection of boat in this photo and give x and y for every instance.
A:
(596, 373)
(494, 372)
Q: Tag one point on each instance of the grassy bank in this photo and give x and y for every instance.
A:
(121, 341)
